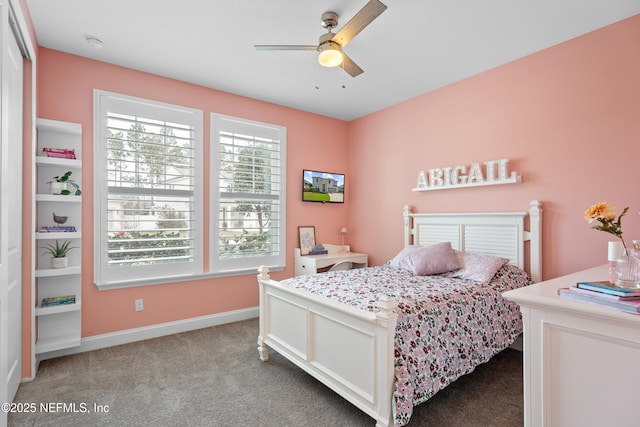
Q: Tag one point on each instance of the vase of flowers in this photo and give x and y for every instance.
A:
(628, 263)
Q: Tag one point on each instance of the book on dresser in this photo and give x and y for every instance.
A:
(628, 304)
(607, 287)
(599, 294)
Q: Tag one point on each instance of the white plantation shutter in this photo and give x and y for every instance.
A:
(148, 193)
(247, 194)
(148, 190)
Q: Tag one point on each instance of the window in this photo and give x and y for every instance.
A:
(148, 191)
(148, 194)
(247, 213)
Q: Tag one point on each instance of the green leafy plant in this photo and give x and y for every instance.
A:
(66, 178)
(58, 250)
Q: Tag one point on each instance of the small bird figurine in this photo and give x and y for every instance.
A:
(59, 219)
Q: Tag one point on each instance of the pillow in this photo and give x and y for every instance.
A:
(434, 259)
(403, 260)
(478, 267)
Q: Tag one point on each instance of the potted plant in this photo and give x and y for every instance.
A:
(59, 253)
(59, 185)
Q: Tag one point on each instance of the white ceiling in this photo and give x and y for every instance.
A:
(414, 47)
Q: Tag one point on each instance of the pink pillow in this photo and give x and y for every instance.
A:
(434, 259)
(478, 267)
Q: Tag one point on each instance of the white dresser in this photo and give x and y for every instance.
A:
(581, 360)
(312, 264)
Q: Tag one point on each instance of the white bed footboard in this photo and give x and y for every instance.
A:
(350, 350)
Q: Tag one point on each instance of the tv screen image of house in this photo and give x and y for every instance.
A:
(323, 187)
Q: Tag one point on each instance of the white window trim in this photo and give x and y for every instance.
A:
(100, 191)
(243, 266)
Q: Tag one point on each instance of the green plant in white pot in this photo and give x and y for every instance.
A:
(59, 185)
(59, 253)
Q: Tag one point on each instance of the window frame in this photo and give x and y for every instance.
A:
(244, 265)
(163, 273)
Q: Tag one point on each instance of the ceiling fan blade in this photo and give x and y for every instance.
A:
(364, 17)
(284, 47)
(350, 67)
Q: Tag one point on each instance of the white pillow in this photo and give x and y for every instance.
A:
(403, 259)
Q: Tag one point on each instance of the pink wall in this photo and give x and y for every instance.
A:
(65, 92)
(567, 118)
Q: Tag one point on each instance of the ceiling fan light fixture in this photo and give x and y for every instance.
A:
(330, 44)
(330, 54)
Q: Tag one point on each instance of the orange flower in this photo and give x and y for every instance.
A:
(600, 211)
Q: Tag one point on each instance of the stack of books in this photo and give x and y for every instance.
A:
(604, 293)
(58, 229)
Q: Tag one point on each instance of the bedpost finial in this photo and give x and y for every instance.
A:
(386, 303)
(535, 206)
(263, 273)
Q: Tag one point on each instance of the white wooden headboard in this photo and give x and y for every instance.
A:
(492, 233)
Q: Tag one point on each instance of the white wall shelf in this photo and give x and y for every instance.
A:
(511, 180)
(57, 198)
(51, 272)
(58, 235)
(46, 311)
(56, 161)
(57, 342)
(56, 126)
(57, 327)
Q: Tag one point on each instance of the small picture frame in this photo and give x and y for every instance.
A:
(306, 238)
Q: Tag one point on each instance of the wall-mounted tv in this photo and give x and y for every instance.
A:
(323, 187)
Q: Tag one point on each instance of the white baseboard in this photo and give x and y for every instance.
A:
(154, 331)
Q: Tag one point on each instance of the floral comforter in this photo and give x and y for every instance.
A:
(446, 326)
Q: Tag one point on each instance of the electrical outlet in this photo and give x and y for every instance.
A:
(139, 305)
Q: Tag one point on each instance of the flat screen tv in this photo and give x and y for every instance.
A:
(323, 187)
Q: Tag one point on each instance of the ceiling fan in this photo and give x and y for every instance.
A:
(331, 44)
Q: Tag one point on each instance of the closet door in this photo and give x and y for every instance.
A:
(10, 212)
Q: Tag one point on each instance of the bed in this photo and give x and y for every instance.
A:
(385, 353)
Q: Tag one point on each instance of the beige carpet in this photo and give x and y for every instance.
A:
(213, 377)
